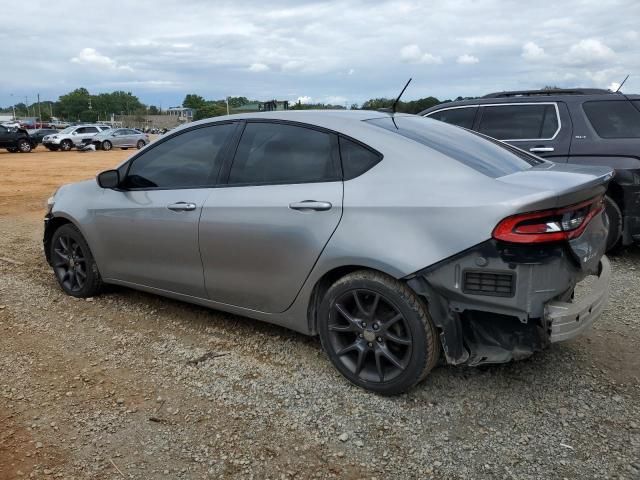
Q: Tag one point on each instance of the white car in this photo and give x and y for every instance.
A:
(70, 137)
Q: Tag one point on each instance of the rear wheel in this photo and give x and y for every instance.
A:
(106, 145)
(73, 264)
(140, 144)
(66, 145)
(614, 214)
(377, 332)
(24, 146)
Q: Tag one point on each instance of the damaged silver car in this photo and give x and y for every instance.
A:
(399, 240)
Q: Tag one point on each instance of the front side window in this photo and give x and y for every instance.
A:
(461, 117)
(614, 118)
(190, 159)
(519, 122)
(272, 153)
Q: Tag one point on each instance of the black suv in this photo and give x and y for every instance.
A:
(16, 140)
(586, 126)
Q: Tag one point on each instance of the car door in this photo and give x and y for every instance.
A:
(261, 234)
(147, 230)
(4, 137)
(542, 128)
(118, 137)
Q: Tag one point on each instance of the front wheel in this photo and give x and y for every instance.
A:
(140, 144)
(66, 145)
(24, 146)
(73, 264)
(106, 145)
(377, 332)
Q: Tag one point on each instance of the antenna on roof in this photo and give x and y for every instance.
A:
(620, 86)
(392, 110)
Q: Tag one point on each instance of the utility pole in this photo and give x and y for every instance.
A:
(13, 105)
(227, 99)
(26, 104)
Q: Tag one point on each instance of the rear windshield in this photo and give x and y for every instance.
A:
(486, 155)
(614, 118)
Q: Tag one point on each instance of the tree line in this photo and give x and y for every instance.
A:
(80, 105)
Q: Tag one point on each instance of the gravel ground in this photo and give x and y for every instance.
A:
(129, 385)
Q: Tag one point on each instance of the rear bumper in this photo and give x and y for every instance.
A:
(567, 320)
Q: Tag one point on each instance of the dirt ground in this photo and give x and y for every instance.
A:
(130, 385)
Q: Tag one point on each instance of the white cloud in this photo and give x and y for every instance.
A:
(532, 52)
(90, 56)
(413, 54)
(304, 99)
(467, 59)
(258, 67)
(589, 51)
(614, 86)
(351, 71)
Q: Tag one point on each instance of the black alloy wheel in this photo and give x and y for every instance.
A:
(24, 146)
(73, 263)
(377, 332)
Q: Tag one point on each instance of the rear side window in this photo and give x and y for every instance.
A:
(519, 122)
(272, 153)
(356, 159)
(487, 156)
(614, 118)
(461, 117)
(188, 160)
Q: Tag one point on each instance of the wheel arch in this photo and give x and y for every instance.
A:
(322, 285)
(52, 224)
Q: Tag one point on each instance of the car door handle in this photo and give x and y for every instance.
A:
(182, 207)
(541, 149)
(307, 205)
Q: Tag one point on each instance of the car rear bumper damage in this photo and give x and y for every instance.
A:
(569, 319)
(499, 302)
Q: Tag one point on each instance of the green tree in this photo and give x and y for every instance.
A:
(153, 110)
(210, 109)
(193, 101)
(74, 103)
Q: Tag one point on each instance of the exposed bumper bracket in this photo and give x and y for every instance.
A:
(568, 320)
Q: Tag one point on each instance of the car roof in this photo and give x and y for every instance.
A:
(536, 96)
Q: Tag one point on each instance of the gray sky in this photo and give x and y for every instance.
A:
(321, 51)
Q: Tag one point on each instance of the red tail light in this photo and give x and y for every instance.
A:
(553, 225)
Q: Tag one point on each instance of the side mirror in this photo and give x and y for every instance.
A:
(108, 179)
(74, 133)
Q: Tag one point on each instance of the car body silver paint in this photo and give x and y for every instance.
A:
(120, 137)
(413, 209)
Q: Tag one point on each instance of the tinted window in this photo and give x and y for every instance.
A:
(278, 153)
(356, 159)
(519, 122)
(189, 159)
(489, 157)
(462, 117)
(614, 118)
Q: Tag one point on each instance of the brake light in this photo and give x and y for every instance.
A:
(552, 225)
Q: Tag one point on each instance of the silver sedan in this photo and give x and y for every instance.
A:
(399, 240)
(120, 137)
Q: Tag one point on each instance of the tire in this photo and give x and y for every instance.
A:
(71, 260)
(107, 145)
(386, 345)
(12, 150)
(66, 145)
(140, 144)
(613, 212)
(24, 146)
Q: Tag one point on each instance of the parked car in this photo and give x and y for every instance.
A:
(16, 140)
(56, 123)
(39, 134)
(583, 126)
(392, 237)
(123, 138)
(71, 137)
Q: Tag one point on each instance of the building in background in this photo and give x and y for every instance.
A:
(183, 114)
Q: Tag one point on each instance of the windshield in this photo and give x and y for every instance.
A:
(68, 130)
(486, 155)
